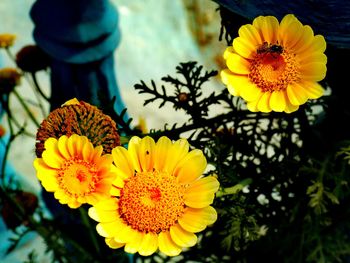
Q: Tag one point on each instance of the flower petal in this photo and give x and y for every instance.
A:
(278, 101)
(161, 152)
(123, 161)
(250, 33)
(268, 28)
(227, 78)
(196, 220)
(190, 167)
(167, 245)
(243, 47)
(201, 193)
(181, 237)
(149, 244)
(134, 245)
(297, 95)
(238, 64)
(113, 244)
(146, 153)
(103, 215)
(176, 153)
(313, 89)
(133, 149)
(263, 104)
(313, 71)
(290, 31)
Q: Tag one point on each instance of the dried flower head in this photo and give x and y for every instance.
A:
(9, 78)
(79, 118)
(7, 40)
(32, 58)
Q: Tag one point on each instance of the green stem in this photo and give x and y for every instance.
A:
(87, 224)
(30, 114)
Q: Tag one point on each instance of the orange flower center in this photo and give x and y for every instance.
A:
(273, 71)
(78, 177)
(151, 202)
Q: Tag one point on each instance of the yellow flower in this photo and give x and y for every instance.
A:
(160, 198)
(7, 40)
(75, 171)
(275, 66)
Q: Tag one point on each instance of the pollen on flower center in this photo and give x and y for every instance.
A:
(272, 71)
(151, 202)
(77, 177)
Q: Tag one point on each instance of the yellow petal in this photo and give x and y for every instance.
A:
(250, 33)
(313, 89)
(297, 95)
(103, 215)
(313, 57)
(176, 153)
(238, 83)
(201, 193)
(228, 51)
(290, 31)
(123, 161)
(278, 101)
(226, 77)
(113, 244)
(161, 152)
(181, 237)
(52, 159)
(133, 149)
(134, 245)
(109, 229)
(167, 245)
(146, 153)
(249, 91)
(127, 234)
(253, 105)
(305, 41)
(268, 27)
(149, 244)
(96, 154)
(290, 107)
(196, 220)
(238, 64)
(62, 147)
(190, 167)
(263, 104)
(110, 204)
(88, 151)
(314, 71)
(243, 47)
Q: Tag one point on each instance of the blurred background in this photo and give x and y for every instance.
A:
(155, 37)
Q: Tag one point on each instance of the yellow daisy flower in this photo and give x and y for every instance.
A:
(75, 171)
(160, 199)
(275, 66)
(7, 40)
